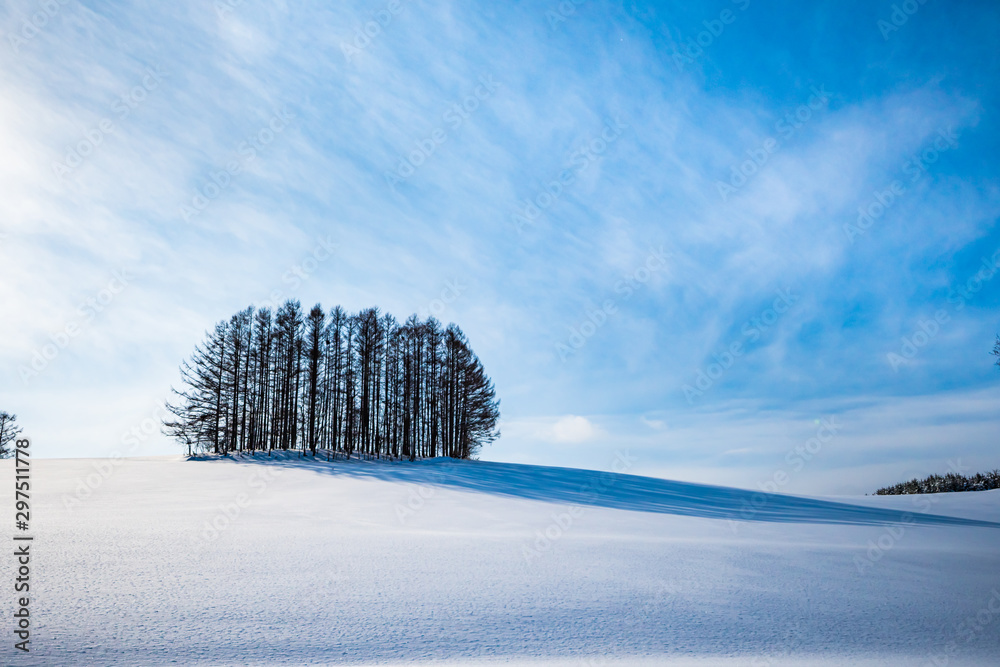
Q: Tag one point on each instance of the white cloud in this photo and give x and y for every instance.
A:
(655, 424)
(573, 429)
(324, 175)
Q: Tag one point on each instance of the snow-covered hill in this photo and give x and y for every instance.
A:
(292, 562)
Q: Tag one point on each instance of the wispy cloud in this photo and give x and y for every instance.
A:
(223, 75)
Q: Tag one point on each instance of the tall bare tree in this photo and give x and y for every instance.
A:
(315, 334)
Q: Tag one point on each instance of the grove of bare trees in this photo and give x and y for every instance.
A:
(361, 384)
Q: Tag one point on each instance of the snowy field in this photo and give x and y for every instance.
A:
(162, 561)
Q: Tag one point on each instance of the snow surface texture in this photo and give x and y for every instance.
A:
(299, 562)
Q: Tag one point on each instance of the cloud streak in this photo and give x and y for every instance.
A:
(222, 75)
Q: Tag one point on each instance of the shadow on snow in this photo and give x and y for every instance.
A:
(603, 489)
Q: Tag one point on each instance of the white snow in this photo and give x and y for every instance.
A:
(438, 561)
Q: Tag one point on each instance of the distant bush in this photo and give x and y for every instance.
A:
(950, 482)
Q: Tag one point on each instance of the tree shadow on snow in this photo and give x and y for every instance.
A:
(604, 489)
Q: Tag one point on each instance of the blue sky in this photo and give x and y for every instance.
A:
(610, 198)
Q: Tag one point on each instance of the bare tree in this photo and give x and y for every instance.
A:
(199, 420)
(315, 334)
(9, 431)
